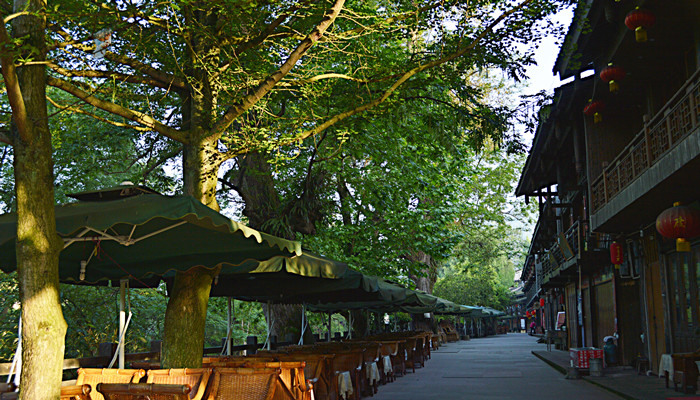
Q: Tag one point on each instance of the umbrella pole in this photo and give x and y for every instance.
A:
(231, 316)
(350, 324)
(122, 320)
(330, 314)
(396, 322)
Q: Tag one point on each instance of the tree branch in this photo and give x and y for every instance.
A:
(14, 93)
(109, 74)
(6, 138)
(161, 160)
(97, 117)
(265, 86)
(138, 117)
(405, 77)
(163, 77)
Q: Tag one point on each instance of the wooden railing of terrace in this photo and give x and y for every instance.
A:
(678, 118)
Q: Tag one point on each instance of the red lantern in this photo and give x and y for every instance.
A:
(679, 222)
(527, 314)
(617, 256)
(639, 21)
(612, 75)
(594, 109)
(541, 302)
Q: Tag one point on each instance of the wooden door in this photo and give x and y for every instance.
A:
(655, 314)
(604, 312)
(572, 328)
(683, 300)
(587, 317)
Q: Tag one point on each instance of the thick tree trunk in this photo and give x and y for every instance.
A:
(185, 317)
(38, 245)
(286, 321)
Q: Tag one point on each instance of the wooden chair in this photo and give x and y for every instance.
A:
(435, 341)
(243, 384)
(410, 353)
(93, 377)
(389, 349)
(370, 357)
(76, 392)
(350, 362)
(685, 371)
(418, 352)
(317, 372)
(196, 378)
(427, 345)
(7, 391)
(143, 391)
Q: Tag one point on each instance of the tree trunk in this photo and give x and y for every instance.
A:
(185, 318)
(186, 313)
(286, 320)
(38, 245)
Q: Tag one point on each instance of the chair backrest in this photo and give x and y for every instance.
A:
(138, 391)
(243, 384)
(95, 376)
(389, 348)
(76, 392)
(317, 369)
(372, 352)
(196, 378)
(346, 361)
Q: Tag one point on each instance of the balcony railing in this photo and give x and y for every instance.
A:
(670, 126)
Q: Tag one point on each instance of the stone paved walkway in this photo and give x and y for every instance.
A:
(498, 367)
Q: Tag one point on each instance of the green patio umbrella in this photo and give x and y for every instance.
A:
(130, 233)
(304, 279)
(144, 236)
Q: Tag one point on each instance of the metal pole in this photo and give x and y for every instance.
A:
(350, 324)
(122, 320)
(229, 331)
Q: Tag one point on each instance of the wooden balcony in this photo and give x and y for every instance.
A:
(570, 248)
(678, 119)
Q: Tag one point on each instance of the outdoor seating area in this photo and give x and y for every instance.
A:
(351, 369)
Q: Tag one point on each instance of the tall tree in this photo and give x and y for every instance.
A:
(38, 245)
(252, 78)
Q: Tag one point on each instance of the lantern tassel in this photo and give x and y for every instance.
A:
(682, 245)
(597, 117)
(614, 86)
(640, 34)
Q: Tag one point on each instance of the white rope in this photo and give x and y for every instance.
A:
(121, 341)
(122, 335)
(17, 359)
(303, 324)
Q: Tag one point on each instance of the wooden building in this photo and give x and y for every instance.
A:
(606, 180)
